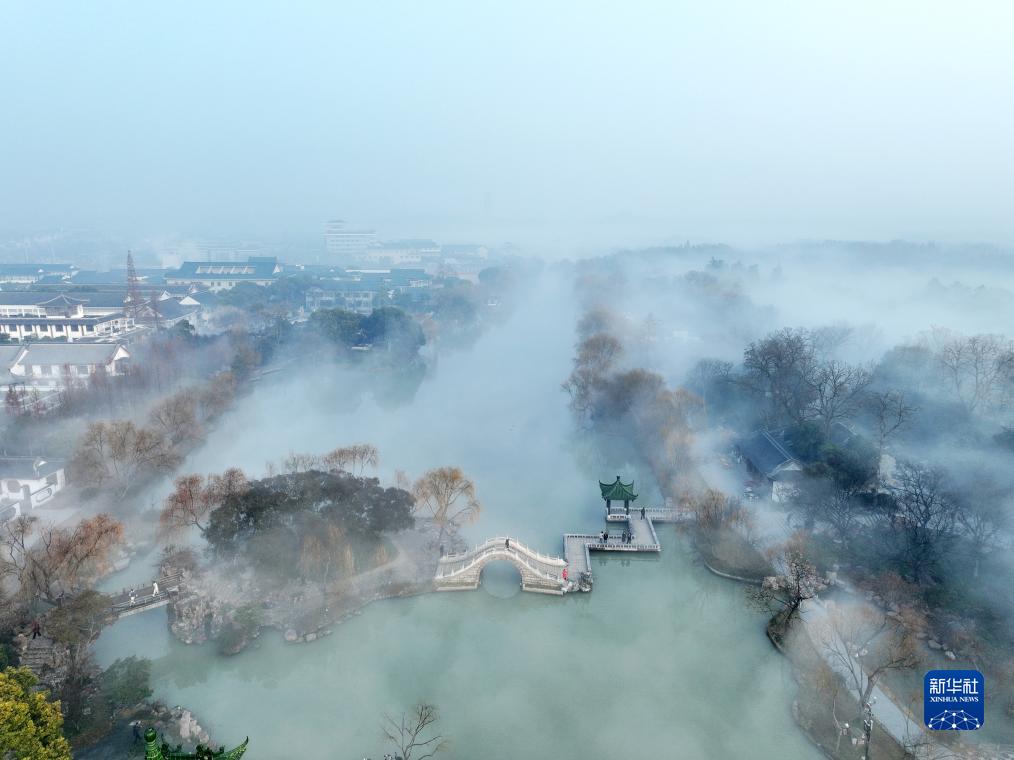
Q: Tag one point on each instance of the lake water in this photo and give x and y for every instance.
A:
(661, 660)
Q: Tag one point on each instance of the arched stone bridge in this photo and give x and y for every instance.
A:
(544, 573)
(539, 572)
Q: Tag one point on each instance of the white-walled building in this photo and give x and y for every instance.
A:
(34, 315)
(52, 365)
(27, 482)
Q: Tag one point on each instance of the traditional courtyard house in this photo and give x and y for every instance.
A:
(771, 462)
(29, 481)
(168, 312)
(222, 275)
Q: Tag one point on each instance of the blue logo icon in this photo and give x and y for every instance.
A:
(954, 700)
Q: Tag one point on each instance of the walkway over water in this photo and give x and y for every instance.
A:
(543, 573)
(133, 600)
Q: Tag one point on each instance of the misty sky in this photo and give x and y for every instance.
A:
(569, 123)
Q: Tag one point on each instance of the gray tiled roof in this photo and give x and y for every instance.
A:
(70, 353)
(260, 269)
(7, 356)
(765, 452)
(102, 299)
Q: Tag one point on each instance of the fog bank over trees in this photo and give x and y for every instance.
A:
(854, 402)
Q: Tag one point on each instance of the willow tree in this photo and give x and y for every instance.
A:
(50, 562)
(447, 497)
(324, 552)
(351, 459)
(121, 455)
(195, 497)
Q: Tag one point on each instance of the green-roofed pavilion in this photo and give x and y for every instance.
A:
(618, 491)
(152, 750)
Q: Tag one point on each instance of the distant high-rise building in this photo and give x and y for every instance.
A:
(344, 244)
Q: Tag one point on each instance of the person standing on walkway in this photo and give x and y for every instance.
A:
(642, 513)
(36, 628)
(507, 544)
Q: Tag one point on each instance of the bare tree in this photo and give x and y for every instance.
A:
(413, 734)
(837, 390)
(983, 515)
(781, 367)
(828, 339)
(447, 497)
(363, 455)
(861, 645)
(176, 418)
(596, 356)
(216, 396)
(598, 320)
(49, 562)
(351, 459)
(838, 506)
(707, 377)
(978, 368)
(230, 483)
(116, 454)
(924, 519)
(891, 412)
(712, 509)
(294, 462)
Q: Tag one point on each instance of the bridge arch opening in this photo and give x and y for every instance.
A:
(501, 579)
